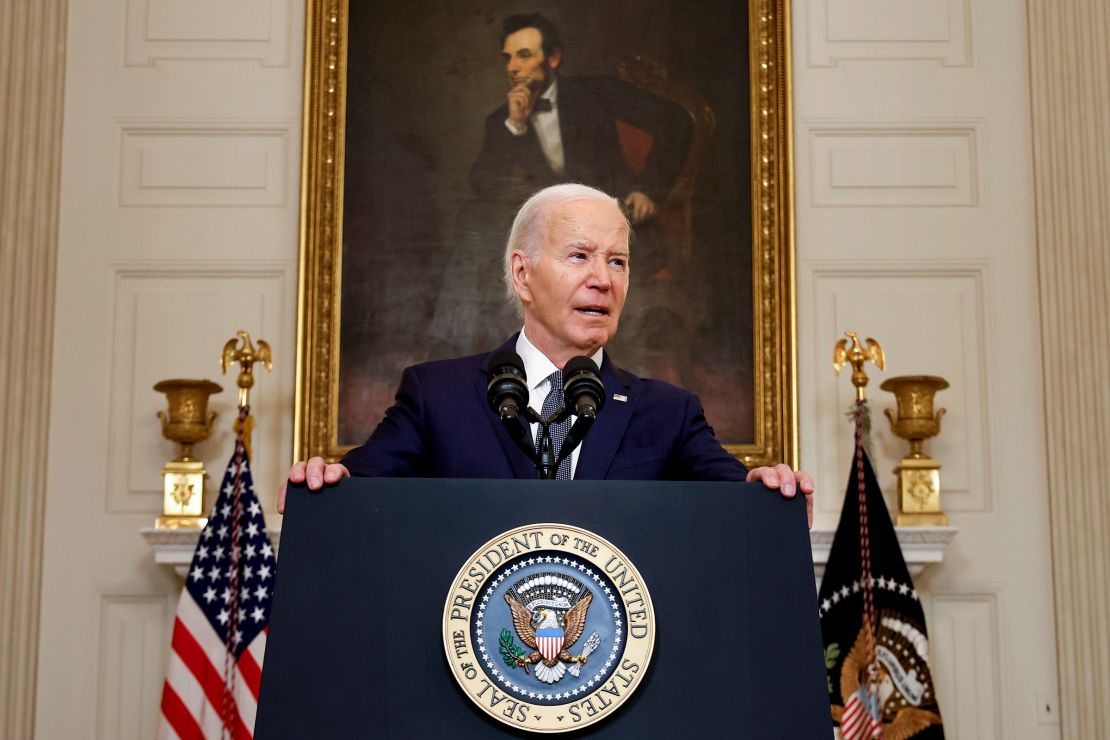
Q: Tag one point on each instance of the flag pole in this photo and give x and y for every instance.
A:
(246, 354)
(872, 622)
(231, 643)
(218, 646)
(857, 355)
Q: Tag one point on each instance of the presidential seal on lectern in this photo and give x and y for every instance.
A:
(548, 628)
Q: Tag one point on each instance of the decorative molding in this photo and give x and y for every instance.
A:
(889, 30)
(955, 293)
(32, 82)
(965, 660)
(175, 547)
(190, 164)
(921, 547)
(1070, 73)
(205, 30)
(163, 311)
(886, 165)
(134, 634)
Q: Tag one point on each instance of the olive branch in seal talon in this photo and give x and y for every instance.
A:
(511, 652)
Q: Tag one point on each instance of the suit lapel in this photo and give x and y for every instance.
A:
(514, 457)
(601, 444)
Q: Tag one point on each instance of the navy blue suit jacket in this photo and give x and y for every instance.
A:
(442, 427)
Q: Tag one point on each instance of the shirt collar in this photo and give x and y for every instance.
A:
(552, 93)
(536, 365)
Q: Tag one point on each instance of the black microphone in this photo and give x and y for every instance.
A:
(507, 392)
(582, 387)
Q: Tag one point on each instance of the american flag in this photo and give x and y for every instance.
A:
(219, 638)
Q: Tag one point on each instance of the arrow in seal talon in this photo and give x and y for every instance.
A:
(591, 645)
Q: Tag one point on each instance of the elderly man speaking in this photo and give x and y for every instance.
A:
(567, 263)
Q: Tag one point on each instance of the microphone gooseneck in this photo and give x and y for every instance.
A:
(507, 395)
(585, 395)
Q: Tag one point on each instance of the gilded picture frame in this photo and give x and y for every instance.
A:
(327, 94)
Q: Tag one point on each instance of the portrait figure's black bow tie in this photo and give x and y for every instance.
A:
(541, 105)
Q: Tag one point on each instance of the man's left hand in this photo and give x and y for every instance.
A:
(640, 207)
(787, 481)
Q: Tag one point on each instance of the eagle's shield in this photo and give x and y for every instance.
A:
(550, 642)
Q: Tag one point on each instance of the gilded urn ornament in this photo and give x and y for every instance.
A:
(918, 474)
(186, 421)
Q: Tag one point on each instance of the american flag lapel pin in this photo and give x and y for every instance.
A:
(620, 397)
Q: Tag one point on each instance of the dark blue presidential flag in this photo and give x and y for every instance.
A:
(876, 645)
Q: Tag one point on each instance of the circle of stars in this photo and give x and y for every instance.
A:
(888, 584)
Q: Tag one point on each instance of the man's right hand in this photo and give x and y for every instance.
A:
(521, 100)
(316, 472)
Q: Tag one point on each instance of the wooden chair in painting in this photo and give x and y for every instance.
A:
(659, 333)
(675, 212)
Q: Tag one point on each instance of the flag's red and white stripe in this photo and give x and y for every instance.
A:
(193, 693)
(857, 723)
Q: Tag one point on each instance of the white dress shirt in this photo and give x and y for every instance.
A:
(537, 367)
(546, 124)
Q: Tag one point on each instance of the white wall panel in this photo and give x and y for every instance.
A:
(199, 165)
(930, 319)
(964, 632)
(889, 30)
(896, 166)
(916, 225)
(162, 316)
(208, 30)
(135, 629)
(177, 226)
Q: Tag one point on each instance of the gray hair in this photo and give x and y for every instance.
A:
(531, 222)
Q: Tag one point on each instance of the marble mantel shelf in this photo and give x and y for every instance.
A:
(175, 547)
(921, 546)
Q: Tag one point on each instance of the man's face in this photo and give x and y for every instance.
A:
(574, 292)
(525, 62)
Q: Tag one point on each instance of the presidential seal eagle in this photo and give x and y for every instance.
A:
(549, 614)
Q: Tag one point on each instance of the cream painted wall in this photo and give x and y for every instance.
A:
(178, 226)
(915, 225)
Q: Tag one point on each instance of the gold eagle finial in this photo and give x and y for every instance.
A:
(855, 355)
(246, 355)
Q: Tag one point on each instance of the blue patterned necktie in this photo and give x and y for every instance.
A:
(558, 431)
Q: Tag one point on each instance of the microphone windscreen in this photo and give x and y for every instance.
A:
(582, 385)
(507, 392)
(504, 360)
(578, 364)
